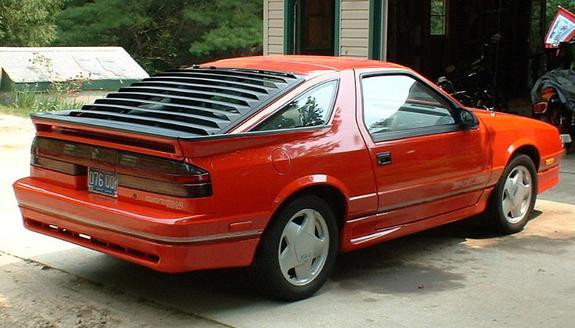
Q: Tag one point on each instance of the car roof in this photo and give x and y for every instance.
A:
(299, 64)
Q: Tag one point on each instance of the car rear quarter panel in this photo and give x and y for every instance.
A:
(254, 173)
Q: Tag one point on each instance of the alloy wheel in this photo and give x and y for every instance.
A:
(304, 247)
(517, 194)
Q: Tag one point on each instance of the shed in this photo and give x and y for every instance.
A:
(101, 68)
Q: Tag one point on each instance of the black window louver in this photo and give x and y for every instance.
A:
(189, 102)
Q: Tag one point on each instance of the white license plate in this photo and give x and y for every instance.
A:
(103, 182)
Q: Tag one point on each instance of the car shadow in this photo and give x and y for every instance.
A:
(421, 263)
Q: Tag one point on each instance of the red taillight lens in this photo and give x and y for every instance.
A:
(59, 166)
(189, 190)
(160, 169)
(540, 108)
(136, 171)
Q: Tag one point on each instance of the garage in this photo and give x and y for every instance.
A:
(432, 36)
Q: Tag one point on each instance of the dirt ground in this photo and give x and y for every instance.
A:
(38, 296)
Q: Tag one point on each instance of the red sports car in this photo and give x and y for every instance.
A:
(277, 163)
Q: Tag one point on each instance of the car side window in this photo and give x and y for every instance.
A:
(396, 103)
(313, 108)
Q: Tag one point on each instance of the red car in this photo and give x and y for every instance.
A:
(277, 163)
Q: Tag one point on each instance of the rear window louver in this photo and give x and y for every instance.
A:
(188, 102)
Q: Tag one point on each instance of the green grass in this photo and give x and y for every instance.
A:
(25, 102)
(24, 112)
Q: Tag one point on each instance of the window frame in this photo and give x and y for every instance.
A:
(454, 109)
(444, 17)
(303, 92)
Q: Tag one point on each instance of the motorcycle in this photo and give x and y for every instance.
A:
(557, 112)
(553, 96)
(477, 86)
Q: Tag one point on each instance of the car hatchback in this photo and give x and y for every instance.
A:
(277, 164)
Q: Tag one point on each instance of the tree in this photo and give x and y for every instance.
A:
(28, 22)
(164, 34)
(231, 27)
(552, 7)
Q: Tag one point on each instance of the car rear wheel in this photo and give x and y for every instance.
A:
(514, 197)
(298, 251)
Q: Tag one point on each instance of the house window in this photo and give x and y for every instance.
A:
(438, 17)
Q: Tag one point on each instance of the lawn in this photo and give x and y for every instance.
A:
(23, 103)
(24, 112)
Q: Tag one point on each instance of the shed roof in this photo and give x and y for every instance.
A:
(30, 65)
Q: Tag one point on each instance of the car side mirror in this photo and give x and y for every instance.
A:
(467, 120)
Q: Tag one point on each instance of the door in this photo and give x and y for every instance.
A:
(425, 163)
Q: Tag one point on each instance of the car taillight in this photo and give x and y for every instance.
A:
(59, 166)
(540, 108)
(136, 171)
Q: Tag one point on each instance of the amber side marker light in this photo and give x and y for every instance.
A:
(136, 171)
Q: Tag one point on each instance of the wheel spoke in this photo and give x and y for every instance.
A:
(518, 176)
(523, 192)
(516, 211)
(308, 224)
(288, 258)
(507, 206)
(318, 246)
(303, 271)
(292, 233)
(509, 183)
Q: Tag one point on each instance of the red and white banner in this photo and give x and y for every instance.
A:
(562, 29)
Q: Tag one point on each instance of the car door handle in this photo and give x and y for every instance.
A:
(384, 158)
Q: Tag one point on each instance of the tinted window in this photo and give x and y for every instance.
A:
(310, 109)
(398, 103)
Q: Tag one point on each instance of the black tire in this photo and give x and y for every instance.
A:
(266, 272)
(509, 223)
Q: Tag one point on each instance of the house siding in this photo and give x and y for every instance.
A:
(354, 28)
(273, 33)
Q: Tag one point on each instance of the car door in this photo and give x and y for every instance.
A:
(425, 162)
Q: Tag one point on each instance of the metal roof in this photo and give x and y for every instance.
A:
(56, 64)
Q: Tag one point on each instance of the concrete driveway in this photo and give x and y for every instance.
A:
(454, 276)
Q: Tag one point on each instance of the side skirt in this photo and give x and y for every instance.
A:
(354, 234)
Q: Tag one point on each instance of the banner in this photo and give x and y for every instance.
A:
(562, 28)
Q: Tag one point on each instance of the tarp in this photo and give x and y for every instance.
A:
(562, 80)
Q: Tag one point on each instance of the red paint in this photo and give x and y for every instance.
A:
(432, 180)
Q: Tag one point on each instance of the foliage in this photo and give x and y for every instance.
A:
(552, 8)
(231, 27)
(29, 100)
(163, 34)
(28, 22)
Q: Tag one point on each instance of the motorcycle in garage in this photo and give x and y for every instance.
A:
(553, 94)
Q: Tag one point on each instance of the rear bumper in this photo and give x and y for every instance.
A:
(167, 241)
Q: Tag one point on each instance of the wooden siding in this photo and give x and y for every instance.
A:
(354, 28)
(273, 33)
(353, 33)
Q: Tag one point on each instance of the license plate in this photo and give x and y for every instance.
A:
(102, 182)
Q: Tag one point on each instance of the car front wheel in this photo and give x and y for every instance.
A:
(298, 251)
(514, 196)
